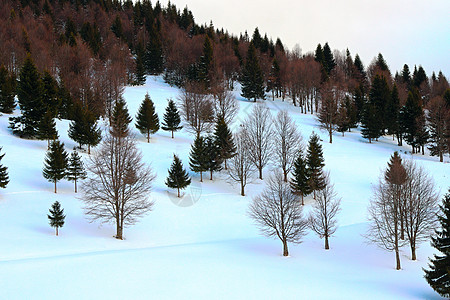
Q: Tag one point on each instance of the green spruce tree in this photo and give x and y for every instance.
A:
(56, 217)
(120, 120)
(4, 178)
(47, 128)
(223, 139)
(370, 123)
(204, 65)
(147, 120)
(252, 78)
(140, 67)
(7, 91)
(315, 164)
(154, 60)
(178, 177)
(75, 169)
(409, 117)
(213, 161)
(83, 129)
(438, 274)
(55, 163)
(198, 157)
(172, 118)
(50, 98)
(300, 178)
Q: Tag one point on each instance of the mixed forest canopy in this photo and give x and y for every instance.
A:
(85, 52)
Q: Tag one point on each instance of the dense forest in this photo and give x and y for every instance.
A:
(68, 56)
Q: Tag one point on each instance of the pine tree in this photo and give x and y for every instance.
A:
(29, 94)
(392, 112)
(370, 124)
(223, 139)
(55, 163)
(359, 65)
(56, 216)
(83, 129)
(75, 169)
(252, 79)
(315, 164)
(409, 115)
(204, 66)
(47, 128)
(438, 275)
(379, 96)
(328, 59)
(213, 161)
(198, 156)
(147, 120)
(178, 177)
(140, 67)
(172, 118)
(50, 97)
(4, 178)
(120, 120)
(300, 181)
(154, 61)
(7, 91)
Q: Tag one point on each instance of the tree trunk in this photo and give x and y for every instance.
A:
(242, 189)
(413, 253)
(201, 176)
(303, 203)
(260, 173)
(89, 149)
(75, 185)
(56, 230)
(423, 150)
(397, 259)
(55, 186)
(441, 157)
(331, 136)
(327, 245)
(285, 173)
(148, 136)
(118, 231)
(211, 175)
(178, 191)
(285, 248)
(225, 162)
(172, 133)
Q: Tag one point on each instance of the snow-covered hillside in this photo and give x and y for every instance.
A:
(204, 246)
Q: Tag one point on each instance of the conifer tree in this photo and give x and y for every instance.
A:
(120, 120)
(172, 118)
(7, 91)
(83, 128)
(178, 177)
(223, 139)
(392, 112)
(147, 120)
(370, 124)
(328, 59)
(4, 178)
(359, 65)
(56, 216)
(47, 128)
(315, 164)
(213, 161)
(300, 179)
(50, 98)
(204, 67)
(29, 94)
(75, 169)
(154, 61)
(409, 115)
(252, 79)
(198, 156)
(55, 163)
(140, 67)
(438, 274)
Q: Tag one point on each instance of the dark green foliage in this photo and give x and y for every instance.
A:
(360, 101)
(56, 217)
(91, 35)
(29, 94)
(83, 129)
(318, 55)
(116, 27)
(379, 96)
(410, 116)
(214, 160)
(204, 66)
(381, 63)
(50, 97)
(178, 177)
(67, 106)
(406, 75)
(198, 157)
(140, 67)
(223, 138)
(75, 169)
(346, 115)
(274, 80)
(392, 112)
(315, 163)
(55, 163)
(438, 274)
(328, 59)
(172, 118)
(252, 78)
(447, 98)
(47, 128)
(419, 77)
(4, 178)
(371, 128)
(147, 120)
(7, 91)
(300, 177)
(154, 61)
(359, 66)
(120, 119)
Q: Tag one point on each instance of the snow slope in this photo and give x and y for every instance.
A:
(204, 246)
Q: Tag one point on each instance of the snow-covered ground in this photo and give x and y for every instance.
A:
(206, 246)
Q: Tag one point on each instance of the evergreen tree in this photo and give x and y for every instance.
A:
(154, 61)
(328, 59)
(147, 120)
(300, 181)
(198, 157)
(438, 275)
(392, 111)
(140, 67)
(47, 128)
(4, 178)
(172, 118)
(406, 75)
(223, 139)
(360, 101)
(370, 124)
(7, 91)
(83, 128)
(409, 116)
(315, 164)
(50, 97)
(75, 169)
(359, 65)
(419, 77)
(56, 216)
(213, 161)
(29, 94)
(318, 55)
(66, 107)
(252, 78)
(55, 163)
(381, 63)
(178, 177)
(379, 96)
(204, 66)
(120, 120)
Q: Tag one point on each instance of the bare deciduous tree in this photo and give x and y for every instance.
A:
(225, 103)
(118, 184)
(259, 128)
(420, 206)
(240, 167)
(277, 212)
(198, 111)
(287, 142)
(322, 219)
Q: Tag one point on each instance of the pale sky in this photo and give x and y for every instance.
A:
(412, 32)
